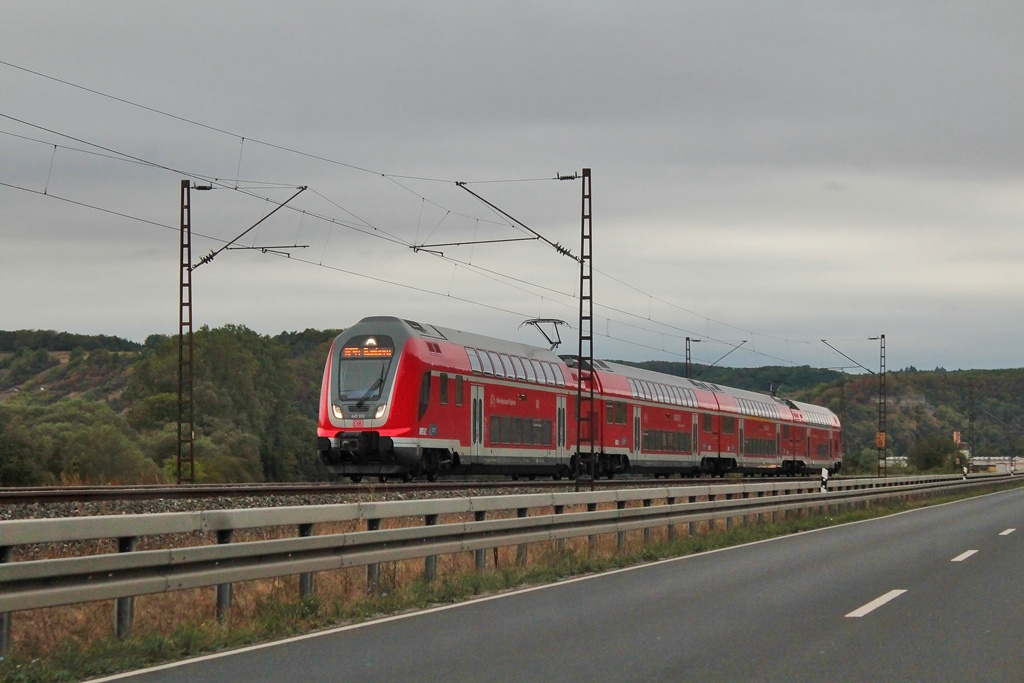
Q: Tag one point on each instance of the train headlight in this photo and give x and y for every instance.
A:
(337, 412)
(381, 409)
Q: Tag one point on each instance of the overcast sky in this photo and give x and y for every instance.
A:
(773, 172)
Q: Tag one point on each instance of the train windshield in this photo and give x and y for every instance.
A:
(363, 367)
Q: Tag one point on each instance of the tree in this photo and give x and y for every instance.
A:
(933, 452)
(18, 464)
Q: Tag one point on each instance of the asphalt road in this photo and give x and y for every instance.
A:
(899, 598)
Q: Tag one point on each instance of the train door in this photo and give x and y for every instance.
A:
(560, 453)
(695, 439)
(476, 429)
(778, 445)
(638, 432)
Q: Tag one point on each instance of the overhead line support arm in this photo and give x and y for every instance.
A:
(555, 245)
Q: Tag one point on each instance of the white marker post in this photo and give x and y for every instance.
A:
(824, 479)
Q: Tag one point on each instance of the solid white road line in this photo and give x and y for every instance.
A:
(876, 603)
(1007, 532)
(963, 556)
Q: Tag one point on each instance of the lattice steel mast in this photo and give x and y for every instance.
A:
(186, 368)
(586, 455)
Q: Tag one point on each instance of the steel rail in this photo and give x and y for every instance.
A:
(72, 494)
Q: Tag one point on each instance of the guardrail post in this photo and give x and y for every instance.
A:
(592, 539)
(521, 550)
(372, 570)
(693, 525)
(480, 556)
(671, 527)
(224, 589)
(430, 562)
(728, 520)
(5, 618)
(124, 607)
(647, 529)
(306, 578)
(620, 537)
(560, 543)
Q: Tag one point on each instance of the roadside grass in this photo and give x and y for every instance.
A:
(275, 615)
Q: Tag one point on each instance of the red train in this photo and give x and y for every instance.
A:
(402, 399)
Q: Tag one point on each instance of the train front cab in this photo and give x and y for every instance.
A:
(363, 399)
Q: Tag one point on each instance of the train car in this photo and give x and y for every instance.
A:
(404, 399)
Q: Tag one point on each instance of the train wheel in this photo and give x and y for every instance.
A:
(382, 479)
(432, 476)
(406, 477)
(355, 478)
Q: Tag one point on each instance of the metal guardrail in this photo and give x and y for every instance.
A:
(34, 584)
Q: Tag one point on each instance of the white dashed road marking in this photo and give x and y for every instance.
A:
(1007, 532)
(876, 603)
(963, 556)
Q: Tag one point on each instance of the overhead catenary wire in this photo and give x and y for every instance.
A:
(392, 177)
(366, 228)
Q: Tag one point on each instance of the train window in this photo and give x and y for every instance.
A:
(542, 373)
(615, 412)
(517, 365)
(496, 363)
(549, 372)
(728, 425)
(708, 423)
(495, 430)
(424, 394)
(506, 430)
(363, 366)
(648, 390)
(632, 387)
(474, 361)
(542, 432)
(443, 388)
(538, 370)
(530, 374)
(459, 390)
(517, 431)
(559, 377)
(506, 362)
(485, 362)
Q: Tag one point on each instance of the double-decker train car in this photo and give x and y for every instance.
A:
(404, 399)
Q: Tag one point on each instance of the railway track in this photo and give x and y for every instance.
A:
(70, 494)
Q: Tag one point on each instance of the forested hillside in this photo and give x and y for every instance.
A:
(105, 409)
(104, 417)
(986, 406)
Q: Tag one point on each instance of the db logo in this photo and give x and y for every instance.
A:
(492, 402)
(357, 423)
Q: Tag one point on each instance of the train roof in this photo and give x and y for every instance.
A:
(695, 392)
(736, 400)
(470, 339)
